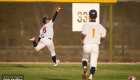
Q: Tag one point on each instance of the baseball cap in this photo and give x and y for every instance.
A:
(44, 19)
(93, 13)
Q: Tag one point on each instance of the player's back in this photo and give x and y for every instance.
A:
(93, 32)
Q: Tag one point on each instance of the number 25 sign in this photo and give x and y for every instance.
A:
(80, 14)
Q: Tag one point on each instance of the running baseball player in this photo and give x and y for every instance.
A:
(46, 36)
(92, 34)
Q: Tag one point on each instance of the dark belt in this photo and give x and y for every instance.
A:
(50, 38)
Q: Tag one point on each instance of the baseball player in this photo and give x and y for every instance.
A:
(46, 36)
(92, 34)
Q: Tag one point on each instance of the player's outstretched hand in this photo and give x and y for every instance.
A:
(58, 9)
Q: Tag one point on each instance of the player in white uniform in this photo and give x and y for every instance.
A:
(92, 34)
(46, 36)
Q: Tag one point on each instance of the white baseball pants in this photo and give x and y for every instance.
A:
(46, 42)
(90, 51)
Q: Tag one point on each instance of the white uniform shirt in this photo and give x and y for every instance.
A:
(93, 31)
(47, 30)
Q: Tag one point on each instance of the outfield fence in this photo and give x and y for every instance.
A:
(19, 21)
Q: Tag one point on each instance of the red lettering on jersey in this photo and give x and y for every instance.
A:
(44, 29)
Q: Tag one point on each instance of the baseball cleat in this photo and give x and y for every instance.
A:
(32, 39)
(90, 78)
(84, 75)
(57, 62)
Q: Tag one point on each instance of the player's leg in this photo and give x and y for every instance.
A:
(93, 61)
(50, 45)
(33, 40)
(38, 46)
(85, 69)
(53, 54)
(93, 64)
(85, 58)
(85, 55)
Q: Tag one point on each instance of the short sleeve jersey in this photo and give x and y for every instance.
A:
(93, 31)
(47, 30)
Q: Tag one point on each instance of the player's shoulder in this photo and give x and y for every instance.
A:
(101, 27)
(92, 23)
(44, 25)
(87, 23)
(51, 21)
(98, 24)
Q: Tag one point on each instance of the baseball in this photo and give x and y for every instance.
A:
(60, 8)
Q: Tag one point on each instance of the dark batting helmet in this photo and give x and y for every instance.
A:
(44, 19)
(93, 13)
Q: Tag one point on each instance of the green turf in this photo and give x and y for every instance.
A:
(70, 71)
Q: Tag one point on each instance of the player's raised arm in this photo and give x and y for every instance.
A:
(55, 15)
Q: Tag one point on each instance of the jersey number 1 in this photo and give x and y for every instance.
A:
(93, 33)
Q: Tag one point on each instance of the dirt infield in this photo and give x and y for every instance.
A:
(65, 63)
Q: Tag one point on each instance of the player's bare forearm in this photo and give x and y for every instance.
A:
(103, 38)
(82, 37)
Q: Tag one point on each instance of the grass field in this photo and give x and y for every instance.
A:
(70, 71)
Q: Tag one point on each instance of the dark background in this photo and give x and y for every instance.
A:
(19, 21)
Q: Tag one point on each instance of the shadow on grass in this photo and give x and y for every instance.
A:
(53, 79)
(21, 66)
